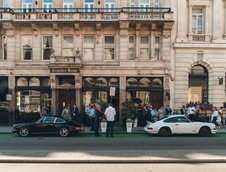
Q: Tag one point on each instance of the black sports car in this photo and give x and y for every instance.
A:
(47, 124)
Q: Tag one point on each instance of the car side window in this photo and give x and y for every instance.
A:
(169, 120)
(48, 120)
(59, 120)
(181, 119)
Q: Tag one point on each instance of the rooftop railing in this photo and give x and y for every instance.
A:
(54, 14)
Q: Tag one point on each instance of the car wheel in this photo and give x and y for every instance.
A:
(24, 131)
(204, 131)
(64, 132)
(164, 132)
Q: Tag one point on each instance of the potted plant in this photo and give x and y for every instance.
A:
(103, 105)
(126, 108)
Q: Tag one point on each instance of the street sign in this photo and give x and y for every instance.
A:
(112, 91)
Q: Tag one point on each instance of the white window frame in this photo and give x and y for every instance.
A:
(108, 57)
(109, 5)
(43, 48)
(158, 47)
(68, 46)
(48, 6)
(145, 47)
(27, 6)
(132, 48)
(195, 29)
(24, 49)
(88, 47)
(5, 4)
(144, 4)
(68, 6)
(89, 6)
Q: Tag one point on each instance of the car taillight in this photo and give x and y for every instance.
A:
(150, 128)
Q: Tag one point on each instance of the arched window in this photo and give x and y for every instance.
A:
(132, 82)
(145, 82)
(101, 82)
(113, 82)
(22, 82)
(34, 82)
(88, 82)
(46, 82)
(156, 82)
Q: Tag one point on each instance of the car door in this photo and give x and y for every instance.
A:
(183, 125)
(49, 125)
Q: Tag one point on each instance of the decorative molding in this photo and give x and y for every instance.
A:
(56, 29)
(34, 28)
(200, 55)
(98, 32)
(138, 27)
(77, 29)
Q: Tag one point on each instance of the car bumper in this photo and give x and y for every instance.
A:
(150, 131)
(14, 130)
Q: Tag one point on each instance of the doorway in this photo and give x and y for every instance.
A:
(65, 97)
(198, 84)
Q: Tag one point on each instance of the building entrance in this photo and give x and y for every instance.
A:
(198, 85)
(65, 97)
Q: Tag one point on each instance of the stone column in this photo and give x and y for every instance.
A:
(217, 20)
(123, 40)
(182, 22)
(78, 95)
(137, 41)
(11, 86)
(224, 19)
(122, 95)
(53, 84)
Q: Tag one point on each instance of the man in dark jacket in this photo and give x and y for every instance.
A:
(98, 117)
(75, 113)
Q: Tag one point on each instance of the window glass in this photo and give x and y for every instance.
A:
(198, 21)
(88, 82)
(102, 82)
(145, 82)
(132, 82)
(26, 47)
(68, 46)
(34, 82)
(109, 52)
(45, 82)
(132, 48)
(47, 47)
(59, 120)
(113, 82)
(49, 120)
(88, 48)
(5, 3)
(22, 82)
(144, 49)
(157, 47)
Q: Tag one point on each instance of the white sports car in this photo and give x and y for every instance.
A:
(179, 124)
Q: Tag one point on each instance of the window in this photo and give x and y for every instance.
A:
(132, 48)
(47, 5)
(5, 3)
(198, 21)
(47, 47)
(68, 5)
(144, 4)
(144, 48)
(109, 5)
(109, 51)
(49, 119)
(88, 50)
(157, 47)
(27, 47)
(89, 5)
(132, 5)
(67, 46)
(5, 51)
(27, 5)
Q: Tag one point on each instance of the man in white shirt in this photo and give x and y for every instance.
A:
(110, 116)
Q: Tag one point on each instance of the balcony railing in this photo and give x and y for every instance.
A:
(81, 14)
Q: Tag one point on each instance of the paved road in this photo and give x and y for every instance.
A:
(117, 149)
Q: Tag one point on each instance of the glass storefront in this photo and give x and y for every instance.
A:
(145, 90)
(99, 88)
(33, 93)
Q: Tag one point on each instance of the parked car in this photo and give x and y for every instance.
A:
(46, 125)
(179, 124)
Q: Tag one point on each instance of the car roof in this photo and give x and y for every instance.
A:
(175, 115)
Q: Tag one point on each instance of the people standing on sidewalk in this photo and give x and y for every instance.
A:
(110, 116)
(92, 117)
(66, 113)
(75, 113)
(168, 110)
(191, 112)
(98, 117)
(87, 112)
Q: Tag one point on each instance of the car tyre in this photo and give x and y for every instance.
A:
(164, 132)
(24, 131)
(64, 132)
(204, 132)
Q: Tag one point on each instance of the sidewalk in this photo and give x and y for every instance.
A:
(137, 130)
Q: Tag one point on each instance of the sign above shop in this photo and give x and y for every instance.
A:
(112, 91)
(64, 70)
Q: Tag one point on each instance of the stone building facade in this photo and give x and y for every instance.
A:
(58, 52)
